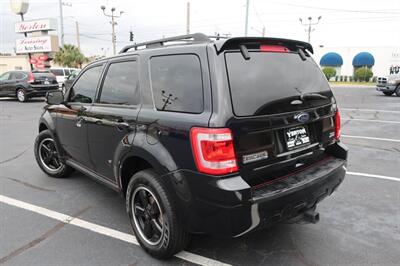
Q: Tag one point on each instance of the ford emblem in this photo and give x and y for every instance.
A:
(302, 117)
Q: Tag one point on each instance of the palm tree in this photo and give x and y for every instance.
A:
(70, 56)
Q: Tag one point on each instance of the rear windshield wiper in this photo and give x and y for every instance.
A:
(302, 54)
(312, 96)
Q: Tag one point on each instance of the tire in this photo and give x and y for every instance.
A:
(397, 91)
(21, 95)
(168, 236)
(46, 155)
(388, 93)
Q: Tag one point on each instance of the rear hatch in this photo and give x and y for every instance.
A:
(283, 110)
(43, 79)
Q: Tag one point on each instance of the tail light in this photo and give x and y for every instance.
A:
(213, 150)
(31, 77)
(337, 125)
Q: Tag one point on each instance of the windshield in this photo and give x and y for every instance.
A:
(268, 82)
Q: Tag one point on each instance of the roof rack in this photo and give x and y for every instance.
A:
(195, 38)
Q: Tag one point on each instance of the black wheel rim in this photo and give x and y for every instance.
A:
(147, 215)
(48, 155)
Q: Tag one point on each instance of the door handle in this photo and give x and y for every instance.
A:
(122, 124)
(80, 121)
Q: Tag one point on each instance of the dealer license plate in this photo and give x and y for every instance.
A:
(296, 137)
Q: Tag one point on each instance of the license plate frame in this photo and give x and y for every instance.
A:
(297, 137)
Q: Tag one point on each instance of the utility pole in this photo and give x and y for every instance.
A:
(113, 23)
(246, 25)
(263, 31)
(60, 5)
(78, 42)
(309, 26)
(61, 23)
(188, 17)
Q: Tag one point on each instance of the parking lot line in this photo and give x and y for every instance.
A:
(375, 176)
(370, 138)
(370, 110)
(190, 257)
(371, 120)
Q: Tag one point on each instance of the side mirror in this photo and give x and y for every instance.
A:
(54, 97)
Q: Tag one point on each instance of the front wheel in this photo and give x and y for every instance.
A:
(47, 156)
(153, 216)
(21, 95)
(398, 91)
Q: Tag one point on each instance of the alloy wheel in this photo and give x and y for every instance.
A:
(21, 95)
(48, 155)
(147, 215)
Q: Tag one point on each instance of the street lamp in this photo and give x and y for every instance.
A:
(309, 24)
(20, 7)
(113, 23)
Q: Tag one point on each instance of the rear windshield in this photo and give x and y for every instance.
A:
(269, 82)
(57, 72)
(43, 75)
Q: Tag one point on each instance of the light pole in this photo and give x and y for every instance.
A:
(309, 24)
(20, 7)
(113, 23)
(246, 22)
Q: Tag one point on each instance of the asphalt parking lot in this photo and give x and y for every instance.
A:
(76, 221)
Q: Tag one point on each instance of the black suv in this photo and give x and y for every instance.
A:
(24, 84)
(201, 135)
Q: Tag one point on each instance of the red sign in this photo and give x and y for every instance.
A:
(33, 61)
(40, 65)
(43, 57)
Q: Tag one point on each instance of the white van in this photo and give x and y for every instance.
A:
(61, 74)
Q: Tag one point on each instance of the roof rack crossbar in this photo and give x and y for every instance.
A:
(196, 37)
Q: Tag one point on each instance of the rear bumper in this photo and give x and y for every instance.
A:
(386, 88)
(38, 91)
(229, 207)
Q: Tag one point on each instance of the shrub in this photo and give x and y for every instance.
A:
(329, 72)
(363, 74)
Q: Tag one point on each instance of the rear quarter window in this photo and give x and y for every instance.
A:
(177, 84)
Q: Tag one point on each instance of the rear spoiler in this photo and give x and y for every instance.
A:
(233, 43)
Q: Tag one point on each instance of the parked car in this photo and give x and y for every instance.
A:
(27, 84)
(220, 137)
(389, 85)
(61, 74)
(69, 80)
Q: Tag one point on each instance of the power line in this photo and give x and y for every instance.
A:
(340, 10)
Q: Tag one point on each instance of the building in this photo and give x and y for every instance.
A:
(13, 62)
(333, 60)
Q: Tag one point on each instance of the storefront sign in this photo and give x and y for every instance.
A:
(41, 44)
(36, 25)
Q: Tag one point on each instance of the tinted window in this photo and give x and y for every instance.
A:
(57, 72)
(268, 82)
(121, 85)
(67, 72)
(5, 76)
(177, 83)
(84, 89)
(18, 76)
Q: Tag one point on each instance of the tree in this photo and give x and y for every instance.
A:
(363, 74)
(329, 72)
(70, 56)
